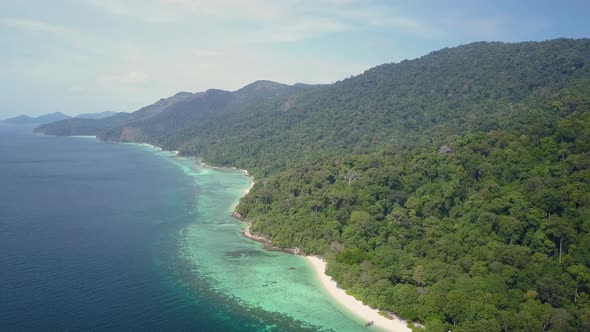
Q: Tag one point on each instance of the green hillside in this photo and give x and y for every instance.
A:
(452, 189)
(163, 120)
(82, 125)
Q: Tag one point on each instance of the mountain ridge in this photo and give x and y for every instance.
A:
(99, 115)
(56, 116)
(190, 106)
(41, 119)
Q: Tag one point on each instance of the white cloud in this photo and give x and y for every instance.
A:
(207, 53)
(489, 28)
(408, 25)
(300, 30)
(78, 89)
(162, 11)
(129, 78)
(269, 20)
(34, 25)
(149, 10)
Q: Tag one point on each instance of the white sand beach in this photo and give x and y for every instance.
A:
(250, 188)
(150, 145)
(361, 310)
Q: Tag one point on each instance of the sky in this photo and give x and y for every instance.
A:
(81, 56)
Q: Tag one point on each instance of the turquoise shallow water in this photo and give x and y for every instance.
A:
(214, 251)
(89, 242)
(118, 237)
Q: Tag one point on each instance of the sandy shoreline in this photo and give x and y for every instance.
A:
(251, 183)
(84, 136)
(150, 145)
(361, 310)
(354, 306)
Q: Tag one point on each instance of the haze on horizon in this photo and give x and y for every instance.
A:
(81, 56)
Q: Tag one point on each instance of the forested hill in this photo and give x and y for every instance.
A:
(25, 119)
(452, 189)
(165, 117)
(82, 125)
(448, 92)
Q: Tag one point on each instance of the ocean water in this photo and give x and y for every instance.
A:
(121, 237)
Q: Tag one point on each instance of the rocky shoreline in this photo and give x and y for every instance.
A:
(268, 245)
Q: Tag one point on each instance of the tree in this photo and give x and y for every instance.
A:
(560, 230)
(581, 275)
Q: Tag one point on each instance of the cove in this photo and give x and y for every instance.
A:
(258, 281)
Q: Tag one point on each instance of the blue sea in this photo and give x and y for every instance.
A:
(88, 239)
(123, 237)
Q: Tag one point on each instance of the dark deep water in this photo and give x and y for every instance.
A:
(88, 236)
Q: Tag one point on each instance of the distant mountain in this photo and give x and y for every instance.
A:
(82, 126)
(25, 119)
(159, 121)
(53, 117)
(21, 119)
(100, 115)
(179, 112)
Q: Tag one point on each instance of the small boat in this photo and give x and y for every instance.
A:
(369, 324)
(291, 268)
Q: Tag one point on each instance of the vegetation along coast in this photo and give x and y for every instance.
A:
(451, 189)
